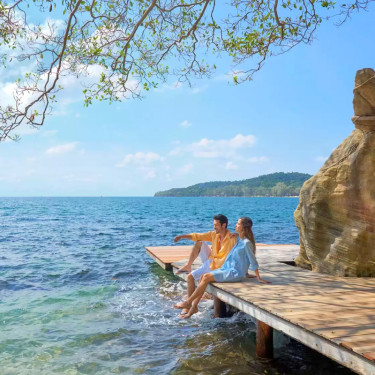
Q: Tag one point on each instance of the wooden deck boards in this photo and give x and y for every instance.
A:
(333, 315)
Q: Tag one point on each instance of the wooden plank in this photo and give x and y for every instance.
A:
(354, 338)
(358, 343)
(343, 330)
(162, 264)
(330, 314)
(369, 355)
(359, 347)
(166, 255)
(338, 353)
(314, 313)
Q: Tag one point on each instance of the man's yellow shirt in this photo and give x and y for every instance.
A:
(218, 256)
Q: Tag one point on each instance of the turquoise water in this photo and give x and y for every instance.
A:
(78, 294)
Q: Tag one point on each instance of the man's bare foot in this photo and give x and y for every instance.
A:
(185, 268)
(192, 311)
(182, 305)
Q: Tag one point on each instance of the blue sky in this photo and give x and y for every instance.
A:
(290, 118)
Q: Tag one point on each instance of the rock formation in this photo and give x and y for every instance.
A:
(336, 213)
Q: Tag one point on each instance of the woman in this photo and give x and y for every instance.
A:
(234, 268)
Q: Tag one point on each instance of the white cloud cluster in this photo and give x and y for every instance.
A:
(321, 159)
(62, 149)
(231, 166)
(140, 158)
(185, 124)
(167, 87)
(208, 148)
(230, 154)
(257, 159)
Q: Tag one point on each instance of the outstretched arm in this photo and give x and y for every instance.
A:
(183, 236)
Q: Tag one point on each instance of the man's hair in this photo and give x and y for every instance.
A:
(222, 218)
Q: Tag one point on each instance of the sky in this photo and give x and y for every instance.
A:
(289, 118)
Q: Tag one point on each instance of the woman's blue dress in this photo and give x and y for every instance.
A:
(235, 267)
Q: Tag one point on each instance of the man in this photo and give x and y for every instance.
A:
(212, 257)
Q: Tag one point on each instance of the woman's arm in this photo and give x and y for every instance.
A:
(260, 279)
(254, 266)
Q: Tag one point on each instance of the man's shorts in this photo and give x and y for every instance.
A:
(204, 254)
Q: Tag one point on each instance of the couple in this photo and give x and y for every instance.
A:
(227, 261)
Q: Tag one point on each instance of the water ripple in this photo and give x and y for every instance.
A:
(78, 294)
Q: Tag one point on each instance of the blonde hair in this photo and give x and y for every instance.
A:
(247, 225)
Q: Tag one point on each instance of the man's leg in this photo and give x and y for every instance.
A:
(193, 255)
(190, 284)
(195, 298)
(190, 289)
(197, 274)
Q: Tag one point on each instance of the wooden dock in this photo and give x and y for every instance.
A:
(333, 315)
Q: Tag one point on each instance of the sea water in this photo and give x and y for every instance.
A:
(79, 295)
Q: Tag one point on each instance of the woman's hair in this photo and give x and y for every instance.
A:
(247, 225)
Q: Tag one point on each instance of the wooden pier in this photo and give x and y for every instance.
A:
(333, 315)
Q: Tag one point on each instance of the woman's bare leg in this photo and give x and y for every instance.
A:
(201, 288)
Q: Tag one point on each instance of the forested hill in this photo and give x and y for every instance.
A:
(276, 184)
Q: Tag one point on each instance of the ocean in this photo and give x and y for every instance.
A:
(79, 295)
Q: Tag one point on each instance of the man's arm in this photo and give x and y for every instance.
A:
(195, 237)
(183, 236)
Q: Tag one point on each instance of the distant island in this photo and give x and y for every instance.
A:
(271, 185)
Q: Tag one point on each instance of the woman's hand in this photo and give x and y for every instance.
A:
(262, 281)
(233, 235)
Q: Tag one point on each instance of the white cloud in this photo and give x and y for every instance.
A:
(257, 159)
(168, 177)
(185, 124)
(229, 76)
(208, 148)
(240, 141)
(173, 86)
(140, 158)
(231, 166)
(197, 90)
(175, 151)
(49, 133)
(84, 179)
(62, 149)
(187, 168)
(150, 174)
(321, 159)
(25, 129)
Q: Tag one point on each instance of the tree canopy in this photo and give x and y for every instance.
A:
(275, 184)
(133, 45)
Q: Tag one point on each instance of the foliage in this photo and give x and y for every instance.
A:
(276, 184)
(132, 45)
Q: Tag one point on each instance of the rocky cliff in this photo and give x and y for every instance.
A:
(336, 213)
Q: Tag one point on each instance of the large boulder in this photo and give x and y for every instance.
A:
(336, 213)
